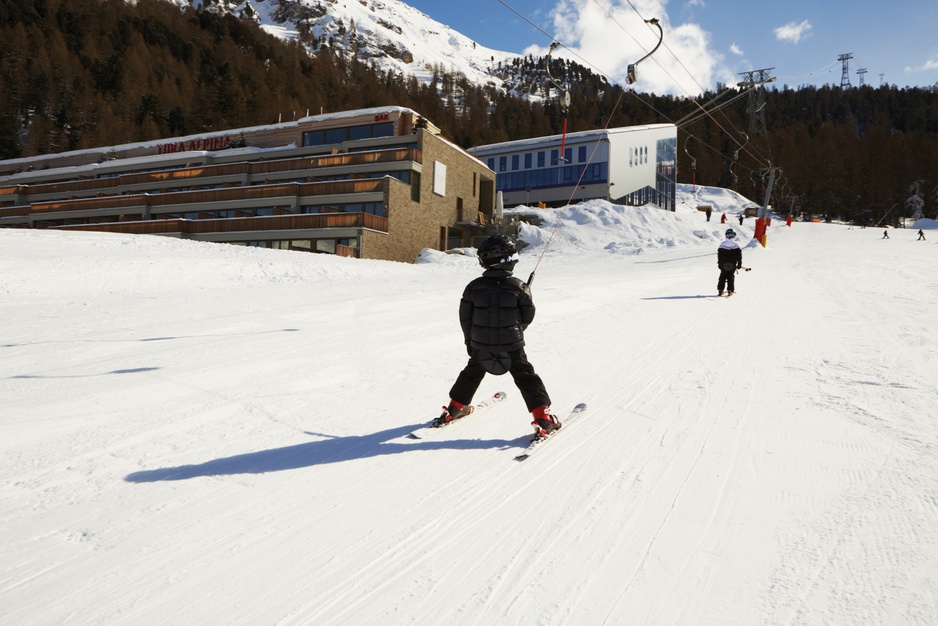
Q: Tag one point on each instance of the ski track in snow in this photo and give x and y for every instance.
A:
(196, 433)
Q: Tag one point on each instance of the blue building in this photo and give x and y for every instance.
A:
(632, 165)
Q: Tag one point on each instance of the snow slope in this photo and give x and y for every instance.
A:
(205, 434)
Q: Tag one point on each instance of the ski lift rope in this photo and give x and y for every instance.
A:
(660, 43)
(632, 76)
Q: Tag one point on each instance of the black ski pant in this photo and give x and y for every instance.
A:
(727, 279)
(528, 382)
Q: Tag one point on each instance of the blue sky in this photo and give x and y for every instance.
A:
(710, 41)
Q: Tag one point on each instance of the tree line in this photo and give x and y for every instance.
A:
(87, 73)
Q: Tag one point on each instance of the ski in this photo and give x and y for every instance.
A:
(431, 427)
(575, 414)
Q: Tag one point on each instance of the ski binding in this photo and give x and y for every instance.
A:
(539, 442)
(435, 425)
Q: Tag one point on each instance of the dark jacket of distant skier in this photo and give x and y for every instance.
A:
(729, 256)
(729, 259)
(495, 310)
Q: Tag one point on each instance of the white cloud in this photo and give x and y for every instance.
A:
(736, 50)
(930, 65)
(793, 32)
(609, 36)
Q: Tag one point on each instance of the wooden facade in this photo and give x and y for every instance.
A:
(375, 191)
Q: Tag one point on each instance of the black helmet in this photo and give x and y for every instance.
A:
(498, 252)
(730, 233)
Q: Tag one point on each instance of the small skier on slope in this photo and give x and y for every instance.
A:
(729, 259)
(494, 311)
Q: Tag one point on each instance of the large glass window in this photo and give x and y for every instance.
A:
(527, 161)
(540, 159)
(382, 130)
(515, 162)
(314, 138)
(553, 177)
(359, 132)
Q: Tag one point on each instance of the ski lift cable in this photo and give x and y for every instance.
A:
(707, 146)
(564, 99)
(656, 23)
(690, 118)
(703, 110)
(583, 170)
(586, 62)
(651, 22)
(665, 70)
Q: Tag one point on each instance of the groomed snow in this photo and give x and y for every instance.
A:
(205, 434)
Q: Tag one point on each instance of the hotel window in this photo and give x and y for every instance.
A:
(581, 154)
(540, 159)
(314, 138)
(359, 132)
(515, 162)
(502, 164)
(527, 161)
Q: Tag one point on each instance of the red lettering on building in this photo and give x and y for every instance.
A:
(382, 117)
(208, 143)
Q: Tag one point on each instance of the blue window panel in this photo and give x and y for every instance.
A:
(383, 130)
(540, 159)
(359, 132)
(581, 154)
(527, 161)
(515, 162)
(314, 138)
(335, 135)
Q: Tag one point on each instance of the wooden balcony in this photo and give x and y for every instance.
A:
(193, 175)
(243, 224)
(210, 196)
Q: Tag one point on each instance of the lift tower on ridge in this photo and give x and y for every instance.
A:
(845, 77)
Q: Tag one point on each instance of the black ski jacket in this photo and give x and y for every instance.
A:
(494, 311)
(729, 256)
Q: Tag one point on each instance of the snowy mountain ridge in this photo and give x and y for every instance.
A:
(389, 33)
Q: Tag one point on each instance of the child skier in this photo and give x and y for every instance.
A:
(494, 311)
(729, 259)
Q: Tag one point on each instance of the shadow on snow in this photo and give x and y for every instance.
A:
(334, 450)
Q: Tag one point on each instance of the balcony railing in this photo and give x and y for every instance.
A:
(191, 175)
(316, 221)
(208, 196)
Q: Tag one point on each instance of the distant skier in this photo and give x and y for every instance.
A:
(886, 234)
(741, 216)
(709, 213)
(921, 235)
(729, 259)
(723, 219)
(494, 311)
